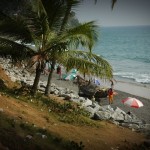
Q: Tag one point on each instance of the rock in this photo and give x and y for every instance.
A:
(1, 109)
(67, 90)
(56, 92)
(102, 115)
(118, 115)
(133, 126)
(42, 86)
(107, 107)
(52, 89)
(92, 110)
(86, 103)
(44, 136)
(53, 85)
(29, 137)
(147, 126)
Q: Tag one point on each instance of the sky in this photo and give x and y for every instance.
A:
(125, 12)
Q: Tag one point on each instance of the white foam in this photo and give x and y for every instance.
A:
(137, 77)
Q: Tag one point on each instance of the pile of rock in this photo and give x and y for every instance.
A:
(97, 112)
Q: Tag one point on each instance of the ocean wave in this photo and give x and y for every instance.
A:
(137, 77)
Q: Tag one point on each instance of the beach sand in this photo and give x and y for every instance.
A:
(124, 90)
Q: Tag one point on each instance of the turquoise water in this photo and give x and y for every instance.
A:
(127, 49)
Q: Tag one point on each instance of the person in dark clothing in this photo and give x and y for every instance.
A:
(59, 71)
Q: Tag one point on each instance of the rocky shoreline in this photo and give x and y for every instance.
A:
(69, 91)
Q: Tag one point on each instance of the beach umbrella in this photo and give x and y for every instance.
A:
(132, 102)
(97, 81)
(74, 71)
(70, 77)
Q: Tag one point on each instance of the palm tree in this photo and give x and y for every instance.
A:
(36, 28)
(70, 4)
(46, 28)
(70, 57)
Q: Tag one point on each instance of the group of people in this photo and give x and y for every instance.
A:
(47, 70)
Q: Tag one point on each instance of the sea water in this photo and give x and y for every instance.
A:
(127, 49)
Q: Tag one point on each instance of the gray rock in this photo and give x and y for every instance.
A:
(133, 126)
(102, 115)
(56, 92)
(29, 137)
(86, 103)
(92, 110)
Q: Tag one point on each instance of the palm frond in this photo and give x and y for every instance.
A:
(57, 51)
(40, 15)
(15, 28)
(84, 34)
(55, 11)
(113, 3)
(86, 62)
(87, 56)
(16, 50)
(90, 68)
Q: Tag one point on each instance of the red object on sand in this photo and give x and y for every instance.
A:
(132, 102)
(115, 93)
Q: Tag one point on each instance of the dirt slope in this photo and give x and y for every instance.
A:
(107, 136)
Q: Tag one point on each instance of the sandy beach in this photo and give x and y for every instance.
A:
(124, 90)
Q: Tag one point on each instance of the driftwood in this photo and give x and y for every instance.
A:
(80, 81)
(89, 89)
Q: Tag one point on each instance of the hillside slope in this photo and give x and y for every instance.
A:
(30, 123)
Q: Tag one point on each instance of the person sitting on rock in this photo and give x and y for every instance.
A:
(93, 99)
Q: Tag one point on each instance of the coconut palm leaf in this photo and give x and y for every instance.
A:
(113, 3)
(15, 28)
(39, 15)
(14, 49)
(55, 11)
(85, 66)
(86, 55)
(92, 64)
(84, 34)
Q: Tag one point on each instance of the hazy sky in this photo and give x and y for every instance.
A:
(125, 12)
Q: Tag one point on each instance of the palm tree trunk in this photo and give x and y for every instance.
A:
(65, 19)
(36, 81)
(48, 86)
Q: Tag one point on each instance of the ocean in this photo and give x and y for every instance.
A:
(127, 49)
